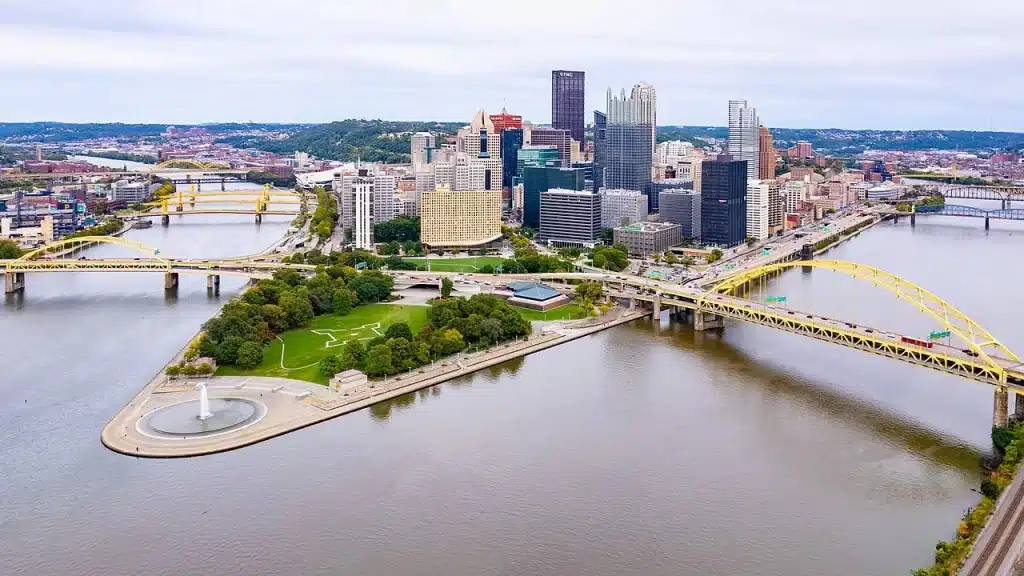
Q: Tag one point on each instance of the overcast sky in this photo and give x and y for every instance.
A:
(895, 64)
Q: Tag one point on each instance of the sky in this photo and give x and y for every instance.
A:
(882, 64)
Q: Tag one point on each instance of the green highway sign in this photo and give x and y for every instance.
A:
(939, 335)
(780, 299)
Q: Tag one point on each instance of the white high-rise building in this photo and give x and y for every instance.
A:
(467, 173)
(647, 98)
(758, 205)
(796, 192)
(745, 136)
(622, 207)
(421, 148)
(385, 204)
(362, 197)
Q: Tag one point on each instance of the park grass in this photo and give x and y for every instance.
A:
(469, 264)
(306, 347)
(567, 312)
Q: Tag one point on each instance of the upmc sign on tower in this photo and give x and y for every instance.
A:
(568, 90)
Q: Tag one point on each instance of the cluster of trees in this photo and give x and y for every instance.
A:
(183, 368)
(394, 248)
(455, 325)
(9, 250)
(108, 227)
(166, 189)
(400, 229)
(670, 258)
(610, 257)
(122, 156)
(326, 214)
(714, 256)
(237, 335)
(590, 294)
(529, 261)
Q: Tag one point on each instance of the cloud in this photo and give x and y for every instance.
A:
(876, 64)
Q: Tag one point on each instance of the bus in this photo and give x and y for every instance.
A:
(916, 342)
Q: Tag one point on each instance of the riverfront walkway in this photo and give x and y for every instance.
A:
(293, 404)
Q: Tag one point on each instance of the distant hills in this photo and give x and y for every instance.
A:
(388, 141)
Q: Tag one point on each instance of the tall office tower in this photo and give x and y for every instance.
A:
(647, 98)
(421, 147)
(600, 148)
(766, 151)
(744, 136)
(362, 198)
(723, 203)
(622, 207)
(776, 206)
(554, 137)
(570, 217)
(511, 144)
(757, 209)
(627, 163)
(682, 207)
(480, 139)
(568, 90)
(385, 204)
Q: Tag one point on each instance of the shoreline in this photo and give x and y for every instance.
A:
(294, 404)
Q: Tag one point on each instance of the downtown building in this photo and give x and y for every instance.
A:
(539, 179)
(745, 136)
(460, 219)
(421, 148)
(723, 203)
(628, 151)
(645, 238)
(568, 92)
(570, 218)
(622, 207)
(681, 206)
(560, 139)
(758, 200)
(357, 206)
(766, 155)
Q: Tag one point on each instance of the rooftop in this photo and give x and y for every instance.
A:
(536, 291)
(648, 227)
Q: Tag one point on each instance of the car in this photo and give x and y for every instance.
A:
(84, 258)
(790, 312)
(869, 330)
(851, 325)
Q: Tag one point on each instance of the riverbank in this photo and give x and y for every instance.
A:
(291, 404)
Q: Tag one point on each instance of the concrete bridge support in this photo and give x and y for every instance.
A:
(14, 282)
(170, 281)
(213, 282)
(986, 222)
(165, 220)
(222, 188)
(1018, 406)
(999, 406)
(913, 219)
(259, 218)
(657, 306)
(703, 321)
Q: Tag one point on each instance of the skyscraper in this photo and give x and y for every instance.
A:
(511, 143)
(553, 137)
(766, 152)
(647, 100)
(600, 148)
(537, 179)
(723, 209)
(567, 96)
(744, 136)
(628, 150)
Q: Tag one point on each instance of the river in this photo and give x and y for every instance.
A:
(646, 449)
(112, 163)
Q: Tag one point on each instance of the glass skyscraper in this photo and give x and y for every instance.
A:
(628, 155)
(511, 142)
(723, 203)
(537, 179)
(600, 141)
(568, 90)
(745, 136)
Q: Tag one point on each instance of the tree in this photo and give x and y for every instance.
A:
(353, 354)
(331, 365)
(491, 331)
(378, 360)
(751, 241)
(670, 258)
(204, 368)
(401, 353)
(341, 302)
(392, 248)
(449, 342)
(446, 287)
(371, 286)
(592, 291)
(714, 256)
(227, 350)
(275, 317)
(399, 330)
(656, 258)
(297, 309)
(250, 354)
(9, 250)
(173, 371)
(687, 261)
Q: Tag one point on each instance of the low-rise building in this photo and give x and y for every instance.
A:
(646, 238)
(622, 207)
(536, 296)
(133, 192)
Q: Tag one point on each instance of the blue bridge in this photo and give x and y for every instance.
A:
(968, 212)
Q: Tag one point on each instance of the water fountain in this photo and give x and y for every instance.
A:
(202, 417)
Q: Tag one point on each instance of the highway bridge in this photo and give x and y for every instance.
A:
(968, 212)
(1003, 194)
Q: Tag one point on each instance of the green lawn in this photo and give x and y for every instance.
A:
(567, 312)
(303, 349)
(470, 264)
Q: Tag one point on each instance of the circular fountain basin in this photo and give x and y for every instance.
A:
(182, 420)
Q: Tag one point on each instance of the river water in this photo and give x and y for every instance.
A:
(646, 449)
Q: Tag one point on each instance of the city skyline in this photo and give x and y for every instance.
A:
(298, 68)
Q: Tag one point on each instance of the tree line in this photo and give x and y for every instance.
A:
(246, 324)
(455, 324)
(325, 217)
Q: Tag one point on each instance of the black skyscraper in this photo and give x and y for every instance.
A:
(723, 210)
(511, 143)
(567, 95)
(600, 148)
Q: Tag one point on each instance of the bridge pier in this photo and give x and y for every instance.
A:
(657, 307)
(1000, 404)
(222, 185)
(913, 219)
(986, 222)
(165, 220)
(703, 321)
(259, 218)
(213, 282)
(170, 280)
(1018, 406)
(14, 282)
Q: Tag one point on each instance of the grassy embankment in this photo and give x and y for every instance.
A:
(470, 264)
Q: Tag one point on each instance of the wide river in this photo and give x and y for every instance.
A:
(646, 449)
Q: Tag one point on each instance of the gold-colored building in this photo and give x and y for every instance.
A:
(459, 219)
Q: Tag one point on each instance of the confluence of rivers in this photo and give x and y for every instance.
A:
(646, 449)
